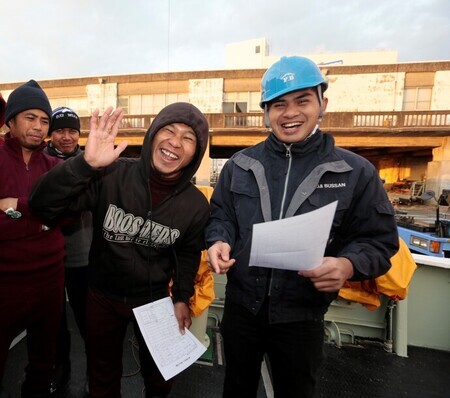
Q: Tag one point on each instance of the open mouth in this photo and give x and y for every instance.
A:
(169, 154)
(292, 125)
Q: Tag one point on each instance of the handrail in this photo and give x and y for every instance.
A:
(408, 120)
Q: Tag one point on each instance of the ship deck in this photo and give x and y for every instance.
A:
(362, 370)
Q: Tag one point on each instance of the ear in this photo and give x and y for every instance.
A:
(11, 124)
(324, 104)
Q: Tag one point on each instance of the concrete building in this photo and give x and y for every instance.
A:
(255, 54)
(395, 114)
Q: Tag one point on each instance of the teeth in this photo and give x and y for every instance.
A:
(287, 125)
(169, 154)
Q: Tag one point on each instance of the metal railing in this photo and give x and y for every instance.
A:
(417, 119)
(437, 120)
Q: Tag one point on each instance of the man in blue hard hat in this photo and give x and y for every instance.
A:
(296, 170)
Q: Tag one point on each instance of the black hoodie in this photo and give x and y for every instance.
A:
(136, 250)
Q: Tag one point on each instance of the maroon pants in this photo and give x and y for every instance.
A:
(107, 323)
(32, 302)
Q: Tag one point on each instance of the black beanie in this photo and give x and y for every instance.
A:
(27, 96)
(64, 118)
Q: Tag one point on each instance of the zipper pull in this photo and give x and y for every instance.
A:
(288, 150)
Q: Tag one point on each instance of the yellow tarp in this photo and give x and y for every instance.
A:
(394, 283)
(204, 280)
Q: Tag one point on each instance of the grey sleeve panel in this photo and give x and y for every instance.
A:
(247, 163)
(309, 184)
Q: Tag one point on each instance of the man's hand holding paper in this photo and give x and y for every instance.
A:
(331, 274)
(295, 243)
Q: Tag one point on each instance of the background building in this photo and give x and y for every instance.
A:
(397, 115)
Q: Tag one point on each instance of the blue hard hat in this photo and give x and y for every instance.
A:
(290, 74)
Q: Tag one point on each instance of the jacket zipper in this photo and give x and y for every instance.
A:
(286, 181)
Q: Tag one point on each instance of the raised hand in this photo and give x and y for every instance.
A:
(100, 150)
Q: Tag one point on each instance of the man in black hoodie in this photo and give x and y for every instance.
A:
(148, 229)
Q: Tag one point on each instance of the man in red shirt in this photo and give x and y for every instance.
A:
(31, 253)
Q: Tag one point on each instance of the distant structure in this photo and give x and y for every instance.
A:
(255, 54)
(395, 114)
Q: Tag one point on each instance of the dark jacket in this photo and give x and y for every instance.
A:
(77, 233)
(136, 249)
(26, 244)
(250, 190)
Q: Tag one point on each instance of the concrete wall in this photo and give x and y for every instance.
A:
(206, 94)
(438, 171)
(242, 55)
(441, 98)
(101, 96)
(371, 92)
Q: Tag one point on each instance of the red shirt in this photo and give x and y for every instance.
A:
(26, 244)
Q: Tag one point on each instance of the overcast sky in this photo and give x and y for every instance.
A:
(74, 38)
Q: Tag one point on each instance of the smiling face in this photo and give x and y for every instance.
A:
(65, 140)
(293, 116)
(30, 127)
(173, 148)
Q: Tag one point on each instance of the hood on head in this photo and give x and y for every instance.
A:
(179, 112)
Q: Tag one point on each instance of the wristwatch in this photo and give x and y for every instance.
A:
(13, 213)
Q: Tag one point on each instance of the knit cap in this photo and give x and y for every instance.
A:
(64, 118)
(27, 96)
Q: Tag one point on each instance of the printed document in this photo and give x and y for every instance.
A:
(172, 351)
(294, 243)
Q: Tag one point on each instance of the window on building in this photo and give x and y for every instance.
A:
(150, 104)
(417, 99)
(235, 102)
(123, 103)
(78, 104)
(242, 102)
(177, 97)
(418, 91)
(253, 101)
(257, 49)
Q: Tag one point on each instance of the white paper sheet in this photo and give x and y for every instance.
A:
(294, 243)
(171, 351)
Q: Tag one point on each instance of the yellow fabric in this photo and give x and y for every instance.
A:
(363, 292)
(205, 190)
(204, 280)
(394, 283)
(204, 288)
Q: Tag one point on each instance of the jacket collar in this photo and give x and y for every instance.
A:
(318, 142)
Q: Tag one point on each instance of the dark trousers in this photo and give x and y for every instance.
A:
(76, 281)
(294, 349)
(77, 290)
(107, 322)
(32, 302)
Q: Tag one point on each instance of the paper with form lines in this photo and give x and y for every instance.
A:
(171, 351)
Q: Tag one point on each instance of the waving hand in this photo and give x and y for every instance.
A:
(100, 150)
